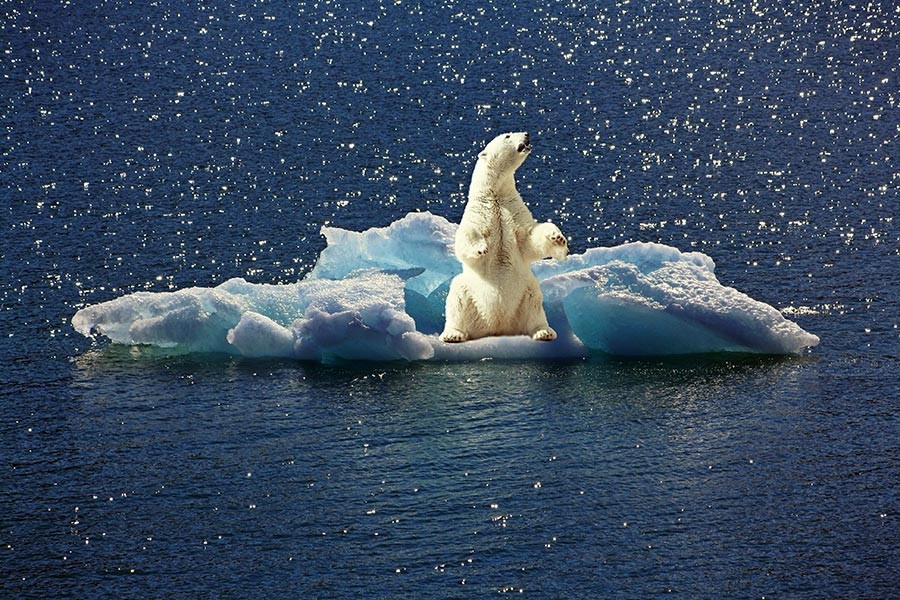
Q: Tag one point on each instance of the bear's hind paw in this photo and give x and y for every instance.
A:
(453, 336)
(544, 335)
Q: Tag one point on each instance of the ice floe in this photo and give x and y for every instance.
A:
(379, 295)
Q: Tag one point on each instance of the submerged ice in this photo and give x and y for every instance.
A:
(379, 295)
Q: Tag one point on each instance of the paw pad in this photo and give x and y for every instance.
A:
(559, 239)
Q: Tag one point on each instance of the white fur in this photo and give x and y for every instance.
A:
(498, 239)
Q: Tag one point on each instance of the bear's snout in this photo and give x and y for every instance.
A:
(526, 144)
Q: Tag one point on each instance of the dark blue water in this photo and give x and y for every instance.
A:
(155, 146)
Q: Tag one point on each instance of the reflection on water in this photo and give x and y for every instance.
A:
(417, 477)
(517, 468)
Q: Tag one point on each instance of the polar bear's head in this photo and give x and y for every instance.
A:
(506, 152)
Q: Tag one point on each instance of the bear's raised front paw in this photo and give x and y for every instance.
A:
(557, 244)
(558, 239)
(453, 336)
(544, 335)
(474, 252)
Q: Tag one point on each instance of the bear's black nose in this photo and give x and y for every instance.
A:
(527, 138)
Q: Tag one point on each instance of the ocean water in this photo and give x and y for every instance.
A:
(157, 146)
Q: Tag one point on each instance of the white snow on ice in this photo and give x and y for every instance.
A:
(379, 295)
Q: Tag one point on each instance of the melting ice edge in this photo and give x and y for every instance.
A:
(379, 295)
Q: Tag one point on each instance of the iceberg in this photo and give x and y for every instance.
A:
(379, 295)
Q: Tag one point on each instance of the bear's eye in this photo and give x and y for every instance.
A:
(507, 136)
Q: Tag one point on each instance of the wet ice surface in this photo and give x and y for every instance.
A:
(156, 148)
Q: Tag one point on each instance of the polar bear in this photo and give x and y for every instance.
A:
(497, 240)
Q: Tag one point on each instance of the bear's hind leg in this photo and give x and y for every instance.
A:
(459, 312)
(536, 323)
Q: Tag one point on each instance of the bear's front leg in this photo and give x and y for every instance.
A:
(546, 240)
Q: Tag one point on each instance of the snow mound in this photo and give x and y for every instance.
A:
(379, 295)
